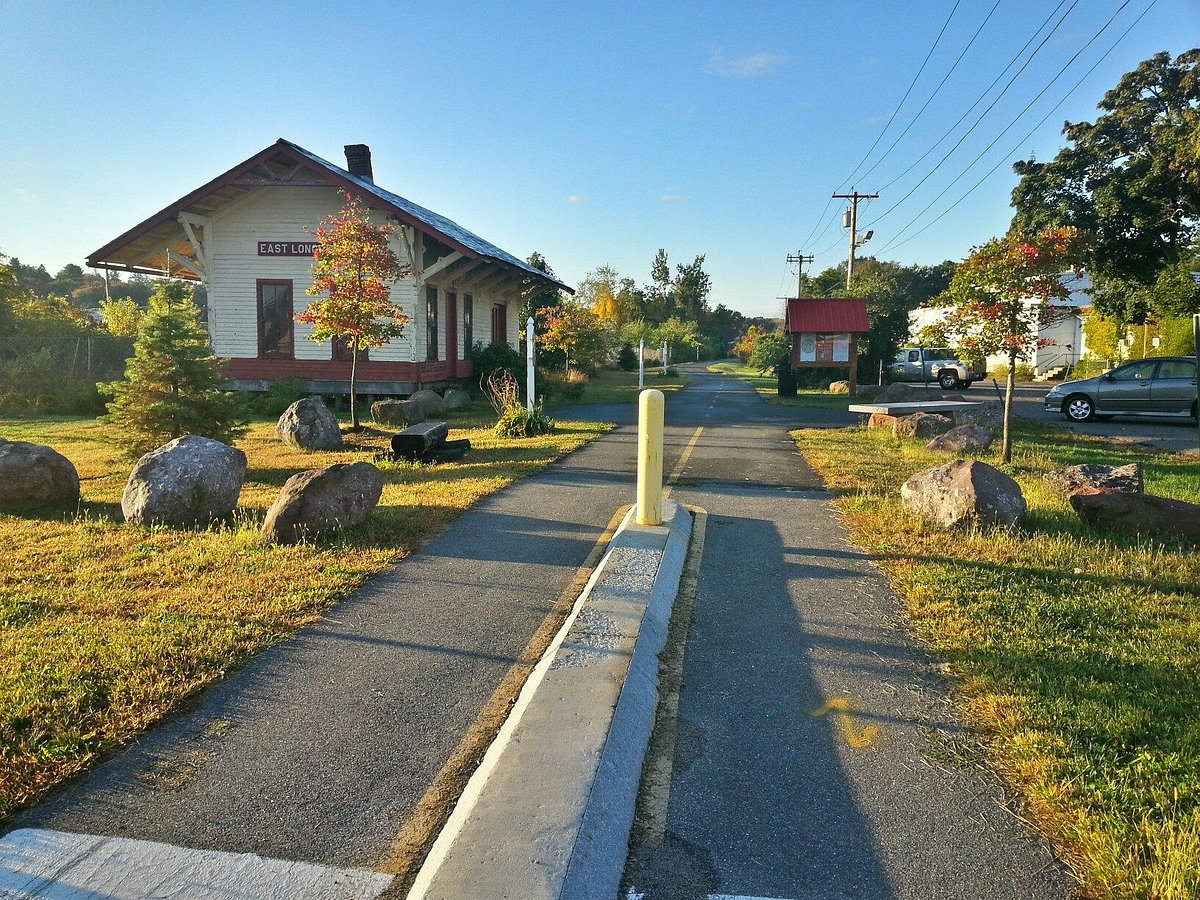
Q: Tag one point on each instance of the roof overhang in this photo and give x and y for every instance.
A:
(171, 242)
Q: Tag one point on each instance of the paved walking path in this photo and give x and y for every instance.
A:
(812, 756)
(807, 762)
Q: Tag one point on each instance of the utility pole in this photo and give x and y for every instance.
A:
(800, 259)
(854, 197)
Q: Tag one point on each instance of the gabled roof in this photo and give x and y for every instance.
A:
(827, 315)
(161, 230)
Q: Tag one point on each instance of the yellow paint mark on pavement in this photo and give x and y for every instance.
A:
(683, 461)
(843, 708)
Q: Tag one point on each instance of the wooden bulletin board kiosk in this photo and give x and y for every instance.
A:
(824, 333)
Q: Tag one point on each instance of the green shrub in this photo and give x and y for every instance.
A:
(517, 421)
(671, 372)
(35, 382)
(1000, 372)
(277, 398)
(1088, 367)
(496, 357)
(563, 386)
(627, 358)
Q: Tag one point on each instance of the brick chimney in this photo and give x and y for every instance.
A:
(358, 161)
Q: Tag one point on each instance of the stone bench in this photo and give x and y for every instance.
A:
(944, 407)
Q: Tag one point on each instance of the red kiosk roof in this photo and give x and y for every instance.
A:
(827, 315)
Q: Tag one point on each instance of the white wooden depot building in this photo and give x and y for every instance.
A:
(248, 236)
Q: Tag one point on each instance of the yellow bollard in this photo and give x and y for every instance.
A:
(650, 457)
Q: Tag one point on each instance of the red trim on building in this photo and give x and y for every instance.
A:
(827, 315)
(337, 370)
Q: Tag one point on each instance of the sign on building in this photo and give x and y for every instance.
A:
(830, 348)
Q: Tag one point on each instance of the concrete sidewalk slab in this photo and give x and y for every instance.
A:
(548, 813)
(37, 864)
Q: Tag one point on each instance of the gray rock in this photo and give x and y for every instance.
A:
(839, 387)
(1122, 479)
(456, 399)
(397, 412)
(33, 476)
(990, 414)
(883, 420)
(899, 392)
(1137, 513)
(186, 482)
(323, 500)
(963, 439)
(962, 493)
(868, 392)
(921, 425)
(309, 425)
(430, 402)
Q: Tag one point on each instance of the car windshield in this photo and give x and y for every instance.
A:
(940, 353)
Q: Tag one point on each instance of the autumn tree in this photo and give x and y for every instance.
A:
(122, 316)
(173, 384)
(578, 332)
(1002, 293)
(353, 265)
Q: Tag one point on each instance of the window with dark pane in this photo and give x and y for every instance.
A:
(276, 332)
(343, 353)
(431, 324)
(499, 324)
(468, 324)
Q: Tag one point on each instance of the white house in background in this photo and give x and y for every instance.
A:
(248, 235)
(1063, 334)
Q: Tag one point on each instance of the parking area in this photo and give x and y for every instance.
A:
(1175, 435)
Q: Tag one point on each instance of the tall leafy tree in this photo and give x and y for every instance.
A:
(578, 332)
(173, 383)
(1130, 181)
(1002, 293)
(353, 266)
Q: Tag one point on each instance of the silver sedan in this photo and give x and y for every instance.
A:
(1163, 386)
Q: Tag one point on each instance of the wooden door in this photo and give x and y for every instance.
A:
(452, 354)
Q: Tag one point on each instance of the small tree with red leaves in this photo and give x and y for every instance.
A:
(1001, 296)
(353, 266)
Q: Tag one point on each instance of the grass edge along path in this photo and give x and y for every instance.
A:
(768, 388)
(106, 628)
(1078, 653)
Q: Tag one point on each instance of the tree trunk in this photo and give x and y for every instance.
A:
(1006, 443)
(354, 387)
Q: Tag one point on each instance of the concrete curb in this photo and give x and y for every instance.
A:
(548, 812)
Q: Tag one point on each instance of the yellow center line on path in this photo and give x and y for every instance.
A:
(683, 461)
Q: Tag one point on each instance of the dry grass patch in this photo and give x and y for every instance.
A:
(1079, 652)
(105, 628)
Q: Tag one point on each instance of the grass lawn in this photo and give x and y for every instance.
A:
(105, 628)
(767, 385)
(1079, 653)
(616, 386)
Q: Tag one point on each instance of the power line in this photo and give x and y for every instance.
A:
(911, 85)
(991, 106)
(941, 83)
(895, 242)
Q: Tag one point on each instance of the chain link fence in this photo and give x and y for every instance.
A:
(59, 374)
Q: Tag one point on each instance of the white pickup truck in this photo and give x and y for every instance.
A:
(933, 364)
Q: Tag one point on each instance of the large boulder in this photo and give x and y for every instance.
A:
(882, 420)
(33, 476)
(323, 500)
(963, 493)
(1137, 513)
(1121, 479)
(309, 425)
(430, 402)
(921, 425)
(963, 439)
(397, 412)
(455, 399)
(189, 481)
(868, 392)
(989, 413)
(839, 387)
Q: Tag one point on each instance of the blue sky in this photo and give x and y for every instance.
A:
(592, 132)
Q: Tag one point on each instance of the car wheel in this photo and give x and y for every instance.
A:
(1079, 408)
(966, 384)
(948, 381)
